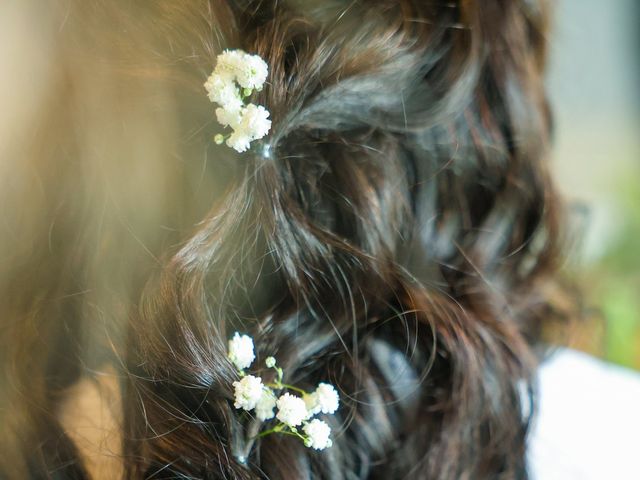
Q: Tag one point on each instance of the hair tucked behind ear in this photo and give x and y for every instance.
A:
(400, 242)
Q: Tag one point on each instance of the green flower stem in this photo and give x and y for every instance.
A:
(280, 374)
(276, 429)
(281, 428)
(295, 434)
(291, 387)
(280, 385)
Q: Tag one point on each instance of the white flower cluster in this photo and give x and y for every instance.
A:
(235, 77)
(250, 393)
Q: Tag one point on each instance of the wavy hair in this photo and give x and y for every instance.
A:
(400, 241)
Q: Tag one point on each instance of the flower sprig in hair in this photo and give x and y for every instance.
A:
(295, 408)
(235, 77)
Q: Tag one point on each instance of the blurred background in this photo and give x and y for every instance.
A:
(594, 87)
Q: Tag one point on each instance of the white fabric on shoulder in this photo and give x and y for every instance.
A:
(588, 421)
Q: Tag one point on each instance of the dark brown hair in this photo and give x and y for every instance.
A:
(400, 241)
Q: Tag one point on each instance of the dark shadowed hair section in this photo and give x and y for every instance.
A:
(400, 240)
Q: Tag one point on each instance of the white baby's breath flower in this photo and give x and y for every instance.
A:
(214, 84)
(317, 434)
(252, 72)
(247, 392)
(229, 62)
(228, 117)
(254, 124)
(326, 398)
(266, 404)
(291, 410)
(270, 362)
(239, 141)
(255, 121)
(241, 351)
(223, 92)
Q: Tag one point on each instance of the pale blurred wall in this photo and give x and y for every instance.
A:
(594, 87)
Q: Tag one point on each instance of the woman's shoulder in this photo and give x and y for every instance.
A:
(587, 422)
(91, 417)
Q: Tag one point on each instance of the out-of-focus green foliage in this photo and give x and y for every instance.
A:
(615, 281)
